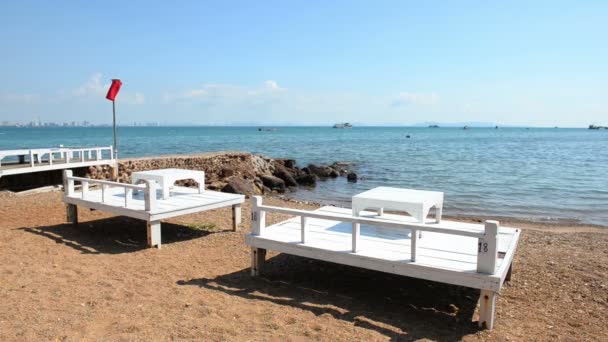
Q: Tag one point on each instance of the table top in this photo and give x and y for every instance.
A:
(384, 193)
(168, 172)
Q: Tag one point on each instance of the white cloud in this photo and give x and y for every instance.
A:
(92, 86)
(407, 98)
(273, 85)
(224, 93)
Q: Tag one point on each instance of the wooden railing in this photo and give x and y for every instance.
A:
(487, 252)
(148, 188)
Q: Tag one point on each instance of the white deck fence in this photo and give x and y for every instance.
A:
(148, 188)
(63, 154)
(487, 252)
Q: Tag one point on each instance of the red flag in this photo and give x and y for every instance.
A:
(113, 91)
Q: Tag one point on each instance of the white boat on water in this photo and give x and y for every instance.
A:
(343, 125)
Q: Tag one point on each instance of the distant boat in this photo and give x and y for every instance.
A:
(597, 127)
(433, 126)
(267, 129)
(465, 127)
(343, 125)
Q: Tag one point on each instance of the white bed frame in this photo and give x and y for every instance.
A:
(489, 275)
(144, 202)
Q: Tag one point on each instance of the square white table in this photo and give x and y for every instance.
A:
(417, 203)
(167, 177)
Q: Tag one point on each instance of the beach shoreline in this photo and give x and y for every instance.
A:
(243, 172)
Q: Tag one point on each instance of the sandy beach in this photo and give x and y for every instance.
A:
(98, 281)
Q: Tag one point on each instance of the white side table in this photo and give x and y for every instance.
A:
(167, 177)
(417, 203)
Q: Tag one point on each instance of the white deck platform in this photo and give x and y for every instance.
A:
(449, 252)
(47, 159)
(146, 202)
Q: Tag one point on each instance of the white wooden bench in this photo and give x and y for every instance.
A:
(144, 202)
(465, 254)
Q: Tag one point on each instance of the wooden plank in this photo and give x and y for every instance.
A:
(442, 250)
(405, 268)
(117, 210)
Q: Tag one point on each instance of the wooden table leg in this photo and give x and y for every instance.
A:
(236, 217)
(154, 234)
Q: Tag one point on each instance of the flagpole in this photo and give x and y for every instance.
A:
(115, 170)
(112, 92)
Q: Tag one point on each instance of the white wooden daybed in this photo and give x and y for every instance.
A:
(472, 255)
(145, 202)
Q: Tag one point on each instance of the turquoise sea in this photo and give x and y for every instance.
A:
(543, 174)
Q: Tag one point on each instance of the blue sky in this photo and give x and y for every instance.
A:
(309, 62)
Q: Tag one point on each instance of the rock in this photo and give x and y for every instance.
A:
(216, 186)
(274, 183)
(238, 185)
(285, 175)
(307, 179)
(322, 171)
(288, 163)
(227, 172)
(340, 167)
(351, 177)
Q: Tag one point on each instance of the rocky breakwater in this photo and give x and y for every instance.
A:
(234, 172)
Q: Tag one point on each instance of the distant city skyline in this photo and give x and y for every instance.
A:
(540, 64)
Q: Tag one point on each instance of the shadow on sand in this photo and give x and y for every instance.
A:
(113, 235)
(400, 308)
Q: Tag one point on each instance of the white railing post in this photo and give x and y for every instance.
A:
(85, 188)
(304, 226)
(68, 184)
(413, 242)
(50, 158)
(82, 156)
(111, 152)
(32, 160)
(104, 188)
(150, 195)
(487, 248)
(68, 156)
(258, 216)
(356, 233)
(128, 196)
